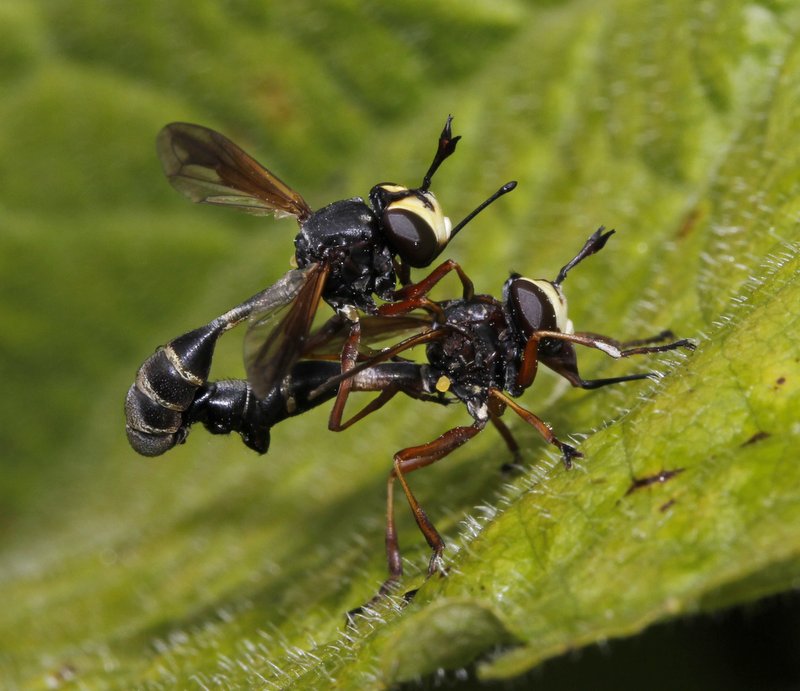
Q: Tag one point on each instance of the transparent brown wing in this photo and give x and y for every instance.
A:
(275, 340)
(209, 168)
(376, 331)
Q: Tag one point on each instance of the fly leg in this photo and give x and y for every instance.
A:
(423, 287)
(407, 461)
(564, 360)
(508, 438)
(568, 452)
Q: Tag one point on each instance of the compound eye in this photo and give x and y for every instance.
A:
(416, 229)
(410, 236)
(537, 306)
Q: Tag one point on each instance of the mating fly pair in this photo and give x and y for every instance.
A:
(480, 351)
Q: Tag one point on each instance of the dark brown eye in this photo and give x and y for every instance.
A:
(536, 306)
(411, 236)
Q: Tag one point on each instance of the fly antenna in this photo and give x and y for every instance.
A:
(505, 189)
(447, 145)
(595, 243)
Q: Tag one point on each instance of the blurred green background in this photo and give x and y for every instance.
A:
(674, 123)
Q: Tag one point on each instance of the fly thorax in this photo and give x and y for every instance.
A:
(472, 353)
(345, 236)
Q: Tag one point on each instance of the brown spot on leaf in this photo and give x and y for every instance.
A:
(689, 222)
(666, 505)
(663, 476)
(757, 437)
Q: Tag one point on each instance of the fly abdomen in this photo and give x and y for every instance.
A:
(165, 387)
(229, 406)
(152, 429)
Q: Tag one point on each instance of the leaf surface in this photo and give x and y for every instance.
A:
(675, 124)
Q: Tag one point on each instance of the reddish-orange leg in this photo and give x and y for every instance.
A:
(567, 451)
(566, 366)
(415, 295)
(508, 438)
(407, 461)
(349, 357)
(416, 457)
(423, 287)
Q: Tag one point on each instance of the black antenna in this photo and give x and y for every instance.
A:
(447, 145)
(503, 190)
(595, 243)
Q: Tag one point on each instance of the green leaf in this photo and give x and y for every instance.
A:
(674, 123)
